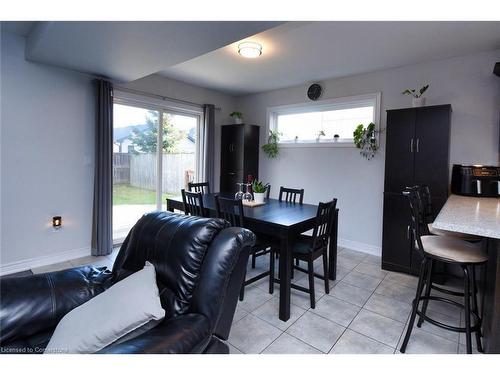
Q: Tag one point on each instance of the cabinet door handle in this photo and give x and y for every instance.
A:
(418, 141)
(231, 173)
(411, 145)
(408, 232)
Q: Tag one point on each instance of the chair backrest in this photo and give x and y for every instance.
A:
(418, 224)
(426, 199)
(193, 203)
(290, 195)
(324, 223)
(199, 187)
(268, 191)
(230, 210)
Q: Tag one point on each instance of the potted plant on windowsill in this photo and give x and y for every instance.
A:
(259, 191)
(237, 117)
(418, 100)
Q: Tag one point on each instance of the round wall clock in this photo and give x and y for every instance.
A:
(314, 91)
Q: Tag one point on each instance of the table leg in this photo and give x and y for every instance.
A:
(285, 278)
(332, 249)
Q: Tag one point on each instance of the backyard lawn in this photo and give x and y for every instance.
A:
(126, 194)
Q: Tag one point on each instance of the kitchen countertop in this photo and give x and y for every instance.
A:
(471, 215)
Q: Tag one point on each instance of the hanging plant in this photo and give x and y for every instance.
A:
(366, 140)
(271, 148)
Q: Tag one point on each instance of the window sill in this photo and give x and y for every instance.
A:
(320, 144)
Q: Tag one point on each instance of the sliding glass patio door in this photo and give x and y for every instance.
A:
(144, 174)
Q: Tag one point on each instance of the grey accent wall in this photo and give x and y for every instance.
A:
(466, 82)
(47, 152)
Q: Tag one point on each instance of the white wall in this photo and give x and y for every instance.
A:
(157, 84)
(47, 120)
(465, 82)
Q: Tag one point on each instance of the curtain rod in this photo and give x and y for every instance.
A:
(144, 93)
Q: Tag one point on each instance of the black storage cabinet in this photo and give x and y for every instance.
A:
(417, 152)
(239, 155)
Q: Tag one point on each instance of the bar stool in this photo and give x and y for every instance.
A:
(449, 250)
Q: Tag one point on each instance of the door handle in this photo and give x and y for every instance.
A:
(408, 232)
(411, 145)
(418, 141)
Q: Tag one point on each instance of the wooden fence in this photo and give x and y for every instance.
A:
(121, 168)
(175, 167)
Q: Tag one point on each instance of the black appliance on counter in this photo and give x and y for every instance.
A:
(475, 180)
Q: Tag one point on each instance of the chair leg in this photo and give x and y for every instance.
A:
(325, 272)
(271, 272)
(475, 309)
(310, 269)
(415, 304)
(254, 257)
(292, 269)
(297, 262)
(427, 292)
(468, 339)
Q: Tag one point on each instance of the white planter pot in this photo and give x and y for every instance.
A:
(259, 197)
(238, 120)
(418, 102)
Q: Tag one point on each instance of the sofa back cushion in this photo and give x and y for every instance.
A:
(176, 245)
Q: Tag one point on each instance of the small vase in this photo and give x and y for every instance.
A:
(259, 197)
(418, 102)
(238, 120)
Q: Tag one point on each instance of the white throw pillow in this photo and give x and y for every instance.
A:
(123, 308)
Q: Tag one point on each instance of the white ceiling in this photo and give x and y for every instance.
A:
(126, 51)
(298, 52)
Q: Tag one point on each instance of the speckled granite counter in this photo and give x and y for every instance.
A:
(478, 216)
(481, 217)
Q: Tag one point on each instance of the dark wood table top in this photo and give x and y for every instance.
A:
(273, 212)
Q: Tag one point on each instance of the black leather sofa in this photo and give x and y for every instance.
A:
(200, 265)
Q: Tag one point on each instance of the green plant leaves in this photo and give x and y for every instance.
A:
(271, 148)
(366, 140)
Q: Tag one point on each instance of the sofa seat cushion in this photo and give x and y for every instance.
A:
(189, 333)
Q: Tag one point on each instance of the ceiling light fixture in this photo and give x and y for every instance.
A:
(250, 50)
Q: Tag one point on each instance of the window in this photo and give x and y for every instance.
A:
(144, 174)
(317, 123)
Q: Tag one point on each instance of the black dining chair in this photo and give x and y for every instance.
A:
(290, 195)
(232, 211)
(265, 251)
(309, 248)
(199, 187)
(193, 204)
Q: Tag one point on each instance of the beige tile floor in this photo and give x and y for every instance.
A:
(366, 311)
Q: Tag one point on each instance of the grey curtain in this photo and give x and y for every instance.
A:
(208, 144)
(102, 235)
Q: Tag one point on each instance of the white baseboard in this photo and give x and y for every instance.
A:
(360, 246)
(27, 264)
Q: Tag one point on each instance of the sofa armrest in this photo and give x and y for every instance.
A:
(183, 334)
(31, 304)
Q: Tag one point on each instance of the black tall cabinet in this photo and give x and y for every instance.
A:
(417, 152)
(239, 155)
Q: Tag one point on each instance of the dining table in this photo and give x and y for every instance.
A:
(283, 221)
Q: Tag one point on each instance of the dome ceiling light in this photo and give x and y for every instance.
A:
(250, 50)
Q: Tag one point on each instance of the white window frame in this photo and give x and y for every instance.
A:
(324, 105)
(162, 106)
